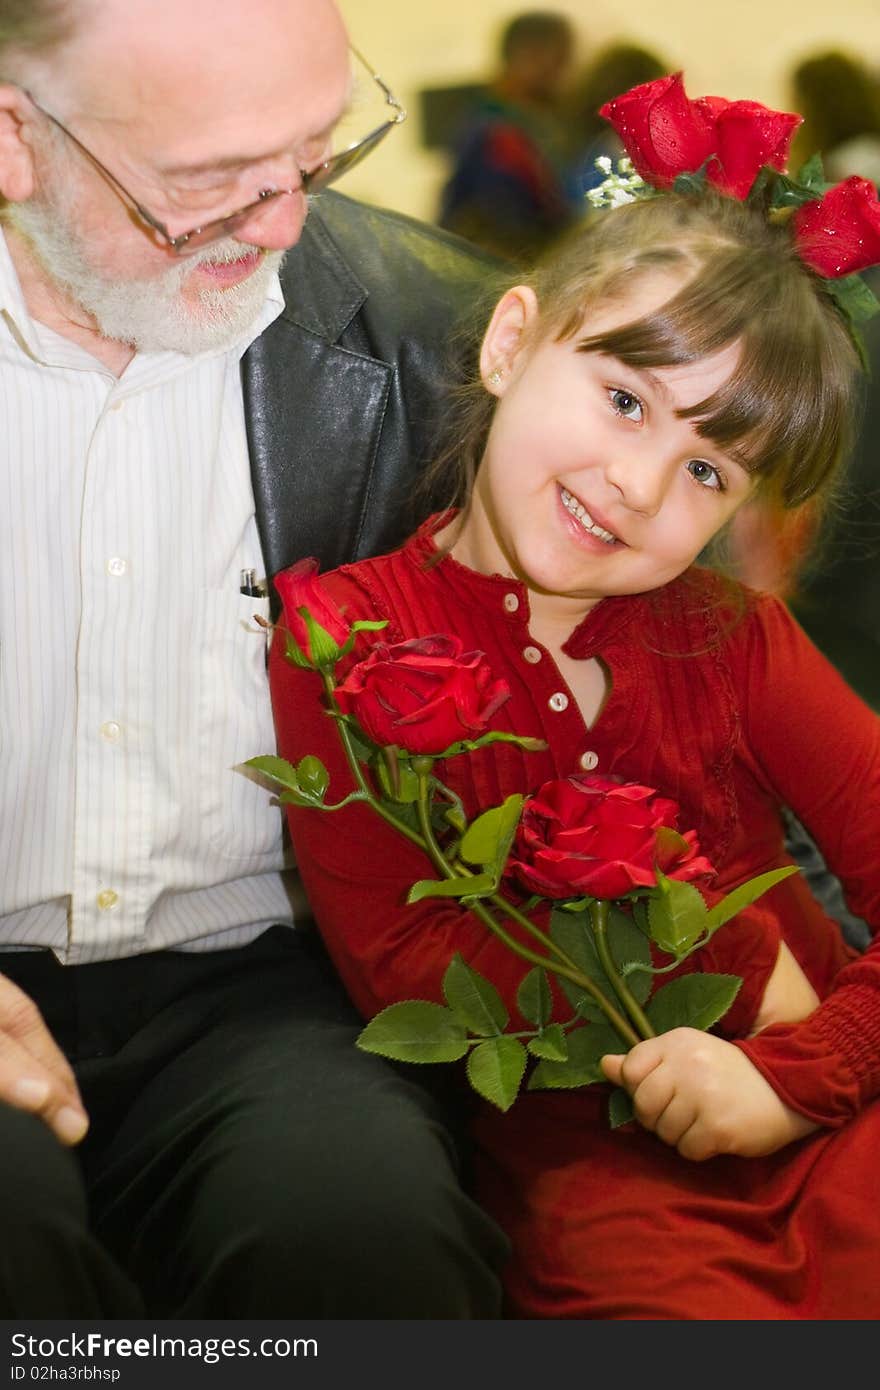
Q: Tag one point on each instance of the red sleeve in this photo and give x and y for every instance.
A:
(819, 746)
(357, 871)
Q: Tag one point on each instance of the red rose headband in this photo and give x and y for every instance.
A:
(741, 148)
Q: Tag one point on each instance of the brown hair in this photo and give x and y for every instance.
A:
(787, 412)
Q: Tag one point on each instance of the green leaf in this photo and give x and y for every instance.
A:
(585, 1046)
(669, 843)
(313, 777)
(620, 1107)
(284, 775)
(475, 887)
(573, 933)
(692, 1001)
(398, 781)
(744, 895)
(677, 915)
(277, 770)
(474, 999)
(415, 1031)
(694, 182)
(551, 1044)
(854, 297)
(487, 840)
(364, 748)
(369, 624)
(495, 1069)
(640, 915)
(533, 998)
(808, 184)
(629, 947)
(812, 174)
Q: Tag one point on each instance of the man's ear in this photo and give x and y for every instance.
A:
(515, 312)
(16, 154)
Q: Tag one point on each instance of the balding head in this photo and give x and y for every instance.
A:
(163, 48)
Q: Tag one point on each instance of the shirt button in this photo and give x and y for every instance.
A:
(511, 602)
(558, 702)
(531, 655)
(111, 730)
(589, 760)
(116, 566)
(107, 900)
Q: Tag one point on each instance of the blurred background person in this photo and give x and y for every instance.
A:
(615, 68)
(838, 96)
(506, 191)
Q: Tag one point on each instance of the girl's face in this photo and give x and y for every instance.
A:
(591, 485)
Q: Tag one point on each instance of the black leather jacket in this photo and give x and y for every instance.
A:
(342, 390)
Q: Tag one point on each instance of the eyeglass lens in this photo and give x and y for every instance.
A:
(312, 182)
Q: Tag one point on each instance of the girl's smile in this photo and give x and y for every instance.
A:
(587, 522)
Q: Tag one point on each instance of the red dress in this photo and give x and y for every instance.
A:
(733, 714)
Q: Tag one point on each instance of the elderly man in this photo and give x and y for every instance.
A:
(186, 1127)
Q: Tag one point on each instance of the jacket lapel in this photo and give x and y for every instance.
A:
(314, 411)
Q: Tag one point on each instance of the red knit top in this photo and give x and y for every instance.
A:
(724, 705)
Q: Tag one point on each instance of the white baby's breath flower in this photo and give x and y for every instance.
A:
(616, 189)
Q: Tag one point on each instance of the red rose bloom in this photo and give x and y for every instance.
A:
(596, 836)
(839, 234)
(422, 695)
(666, 134)
(747, 136)
(663, 131)
(299, 587)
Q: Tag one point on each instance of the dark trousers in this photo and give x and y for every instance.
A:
(244, 1158)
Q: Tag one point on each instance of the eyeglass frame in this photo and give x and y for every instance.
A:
(311, 180)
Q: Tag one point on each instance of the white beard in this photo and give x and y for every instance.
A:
(149, 315)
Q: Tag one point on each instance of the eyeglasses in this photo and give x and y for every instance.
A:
(311, 180)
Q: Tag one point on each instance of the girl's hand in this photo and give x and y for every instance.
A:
(788, 995)
(702, 1096)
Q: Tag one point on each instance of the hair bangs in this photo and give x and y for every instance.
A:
(783, 412)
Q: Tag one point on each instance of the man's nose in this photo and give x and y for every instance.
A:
(276, 224)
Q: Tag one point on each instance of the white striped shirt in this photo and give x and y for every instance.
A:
(132, 678)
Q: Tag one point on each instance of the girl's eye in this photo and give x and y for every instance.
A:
(625, 403)
(705, 473)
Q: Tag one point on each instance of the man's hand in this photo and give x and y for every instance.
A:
(702, 1096)
(34, 1073)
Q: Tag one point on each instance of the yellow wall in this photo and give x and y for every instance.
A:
(743, 48)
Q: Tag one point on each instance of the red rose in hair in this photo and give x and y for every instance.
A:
(839, 234)
(664, 132)
(599, 837)
(747, 136)
(667, 134)
(422, 695)
(299, 587)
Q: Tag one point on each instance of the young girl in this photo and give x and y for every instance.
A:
(673, 360)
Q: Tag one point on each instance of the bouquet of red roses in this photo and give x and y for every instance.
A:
(603, 861)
